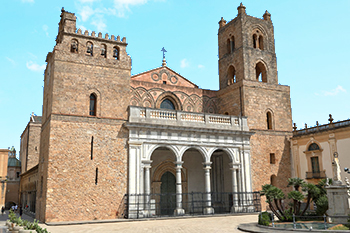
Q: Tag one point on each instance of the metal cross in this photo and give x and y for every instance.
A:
(163, 50)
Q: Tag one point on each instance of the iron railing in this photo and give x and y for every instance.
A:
(194, 203)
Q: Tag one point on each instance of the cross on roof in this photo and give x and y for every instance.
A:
(163, 50)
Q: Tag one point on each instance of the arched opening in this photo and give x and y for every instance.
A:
(193, 162)
(167, 104)
(261, 42)
(232, 44)
(273, 180)
(103, 51)
(260, 72)
(269, 120)
(313, 146)
(221, 182)
(231, 75)
(226, 113)
(74, 46)
(163, 181)
(228, 46)
(255, 37)
(93, 103)
(89, 48)
(116, 53)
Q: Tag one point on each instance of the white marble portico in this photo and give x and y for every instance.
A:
(177, 131)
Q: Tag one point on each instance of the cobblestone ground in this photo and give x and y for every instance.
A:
(220, 224)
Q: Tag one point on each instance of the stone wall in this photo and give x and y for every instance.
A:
(30, 145)
(72, 191)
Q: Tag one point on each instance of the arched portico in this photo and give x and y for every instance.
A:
(203, 157)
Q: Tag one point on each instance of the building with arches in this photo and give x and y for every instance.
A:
(154, 143)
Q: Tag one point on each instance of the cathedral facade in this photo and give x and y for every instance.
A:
(110, 140)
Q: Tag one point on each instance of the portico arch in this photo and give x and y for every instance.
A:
(221, 181)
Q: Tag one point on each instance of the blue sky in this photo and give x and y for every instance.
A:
(312, 47)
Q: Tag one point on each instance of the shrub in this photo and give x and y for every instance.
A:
(265, 218)
(322, 205)
(339, 227)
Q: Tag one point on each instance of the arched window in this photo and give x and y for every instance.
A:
(261, 43)
(255, 37)
(89, 48)
(103, 51)
(93, 102)
(74, 46)
(231, 74)
(116, 53)
(313, 146)
(269, 120)
(273, 180)
(167, 104)
(232, 44)
(228, 46)
(260, 72)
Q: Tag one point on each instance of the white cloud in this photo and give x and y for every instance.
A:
(200, 66)
(124, 5)
(184, 63)
(88, 1)
(45, 28)
(35, 67)
(98, 22)
(11, 61)
(30, 1)
(333, 92)
(86, 12)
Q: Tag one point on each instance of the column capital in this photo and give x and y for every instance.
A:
(207, 165)
(235, 166)
(178, 164)
(147, 163)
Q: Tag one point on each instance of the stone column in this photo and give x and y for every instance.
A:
(179, 211)
(208, 209)
(147, 194)
(234, 168)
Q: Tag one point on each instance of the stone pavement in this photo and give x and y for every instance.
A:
(222, 224)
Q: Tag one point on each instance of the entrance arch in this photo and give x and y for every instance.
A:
(221, 182)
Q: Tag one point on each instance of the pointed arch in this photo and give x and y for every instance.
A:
(231, 75)
(261, 72)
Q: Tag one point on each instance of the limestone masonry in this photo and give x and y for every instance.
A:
(105, 133)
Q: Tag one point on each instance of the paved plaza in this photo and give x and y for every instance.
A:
(201, 224)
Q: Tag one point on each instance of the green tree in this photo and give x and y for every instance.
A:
(295, 182)
(313, 192)
(297, 198)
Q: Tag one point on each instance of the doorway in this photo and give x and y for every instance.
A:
(168, 194)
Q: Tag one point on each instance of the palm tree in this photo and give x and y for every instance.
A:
(297, 198)
(295, 182)
(313, 192)
(274, 197)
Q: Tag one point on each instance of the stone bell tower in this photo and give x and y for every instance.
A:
(249, 87)
(83, 158)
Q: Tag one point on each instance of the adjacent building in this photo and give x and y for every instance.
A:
(314, 149)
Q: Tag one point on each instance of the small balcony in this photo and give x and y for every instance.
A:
(316, 175)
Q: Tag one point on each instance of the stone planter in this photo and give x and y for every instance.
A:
(27, 231)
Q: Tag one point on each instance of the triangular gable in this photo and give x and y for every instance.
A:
(163, 75)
